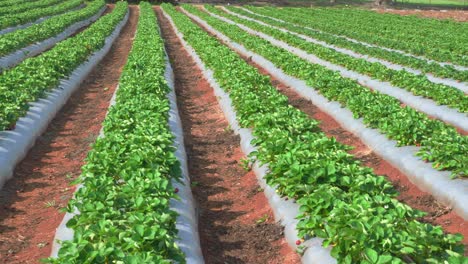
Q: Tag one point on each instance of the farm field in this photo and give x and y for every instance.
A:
(231, 134)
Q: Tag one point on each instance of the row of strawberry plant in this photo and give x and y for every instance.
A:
(23, 7)
(15, 19)
(440, 143)
(444, 43)
(443, 71)
(31, 79)
(21, 38)
(404, 26)
(124, 214)
(12, 2)
(441, 40)
(417, 84)
(438, 183)
(340, 200)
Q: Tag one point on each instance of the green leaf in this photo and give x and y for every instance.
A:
(371, 255)
(407, 250)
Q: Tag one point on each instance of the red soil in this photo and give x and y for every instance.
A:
(41, 184)
(236, 224)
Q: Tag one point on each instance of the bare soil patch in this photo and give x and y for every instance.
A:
(236, 224)
(41, 184)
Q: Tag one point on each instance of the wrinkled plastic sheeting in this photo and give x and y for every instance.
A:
(63, 233)
(452, 192)
(445, 81)
(285, 211)
(40, 20)
(425, 105)
(187, 220)
(18, 56)
(457, 67)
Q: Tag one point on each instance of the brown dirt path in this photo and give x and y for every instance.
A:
(41, 184)
(236, 223)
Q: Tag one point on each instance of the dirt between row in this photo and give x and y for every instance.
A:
(30, 201)
(410, 194)
(236, 224)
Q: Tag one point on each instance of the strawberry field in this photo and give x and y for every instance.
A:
(231, 134)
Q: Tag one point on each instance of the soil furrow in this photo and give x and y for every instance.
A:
(236, 224)
(30, 201)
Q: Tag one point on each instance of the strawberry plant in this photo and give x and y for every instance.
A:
(417, 84)
(292, 23)
(23, 7)
(340, 200)
(11, 2)
(124, 202)
(15, 19)
(443, 41)
(403, 124)
(31, 79)
(18, 39)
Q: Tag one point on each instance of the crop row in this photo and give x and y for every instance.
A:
(438, 183)
(444, 41)
(21, 38)
(417, 84)
(31, 79)
(15, 19)
(126, 182)
(290, 23)
(440, 143)
(340, 200)
(11, 2)
(23, 7)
